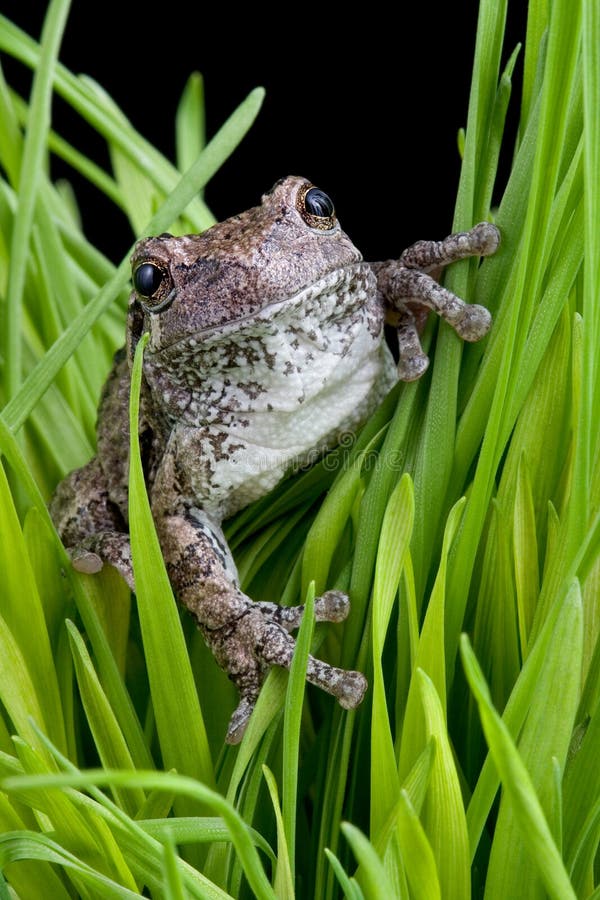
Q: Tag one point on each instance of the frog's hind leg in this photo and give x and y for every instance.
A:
(245, 637)
(90, 526)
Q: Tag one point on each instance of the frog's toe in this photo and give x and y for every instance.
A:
(114, 548)
(474, 324)
(412, 367)
(351, 689)
(85, 561)
(332, 606)
(412, 361)
(239, 720)
(485, 239)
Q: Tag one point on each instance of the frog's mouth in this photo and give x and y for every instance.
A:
(326, 304)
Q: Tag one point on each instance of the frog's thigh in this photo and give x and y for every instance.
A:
(90, 526)
(81, 506)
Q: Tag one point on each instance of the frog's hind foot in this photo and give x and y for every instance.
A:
(239, 720)
(347, 686)
(277, 649)
(111, 547)
(332, 606)
(265, 627)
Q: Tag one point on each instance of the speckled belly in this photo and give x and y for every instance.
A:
(294, 439)
(276, 392)
(323, 382)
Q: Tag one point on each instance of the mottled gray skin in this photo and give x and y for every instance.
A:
(266, 345)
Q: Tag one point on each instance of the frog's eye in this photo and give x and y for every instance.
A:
(318, 203)
(153, 285)
(147, 279)
(316, 208)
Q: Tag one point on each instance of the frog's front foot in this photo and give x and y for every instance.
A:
(261, 639)
(409, 290)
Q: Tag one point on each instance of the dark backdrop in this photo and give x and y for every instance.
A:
(367, 106)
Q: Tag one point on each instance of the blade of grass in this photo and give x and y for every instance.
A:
(189, 122)
(513, 718)
(11, 146)
(94, 105)
(198, 829)
(349, 886)
(32, 165)
(78, 827)
(372, 509)
(172, 687)
(26, 845)
(418, 857)
(77, 160)
(393, 546)
(83, 587)
(284, 879)
(24, 626)
(177, 784)
(562, 56)
(543, 746)
(36, 879)
(172, 880)
(517, 784)
(443, 813)
(435, 458)
(429, 657)
(294, 699)
(327, 529)
(216, 151)
(371, 873)
(108, 737)
(537, 23)
(142, 851)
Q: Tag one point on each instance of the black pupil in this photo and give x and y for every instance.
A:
(147, 279)
(317, 203)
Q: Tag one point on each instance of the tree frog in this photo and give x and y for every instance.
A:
(266, 344)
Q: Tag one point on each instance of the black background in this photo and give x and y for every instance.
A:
(366, 105)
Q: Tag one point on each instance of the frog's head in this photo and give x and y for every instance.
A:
(186, 287)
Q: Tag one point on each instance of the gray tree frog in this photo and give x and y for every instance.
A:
(266, 344)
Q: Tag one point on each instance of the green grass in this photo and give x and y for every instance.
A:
(469, 505)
